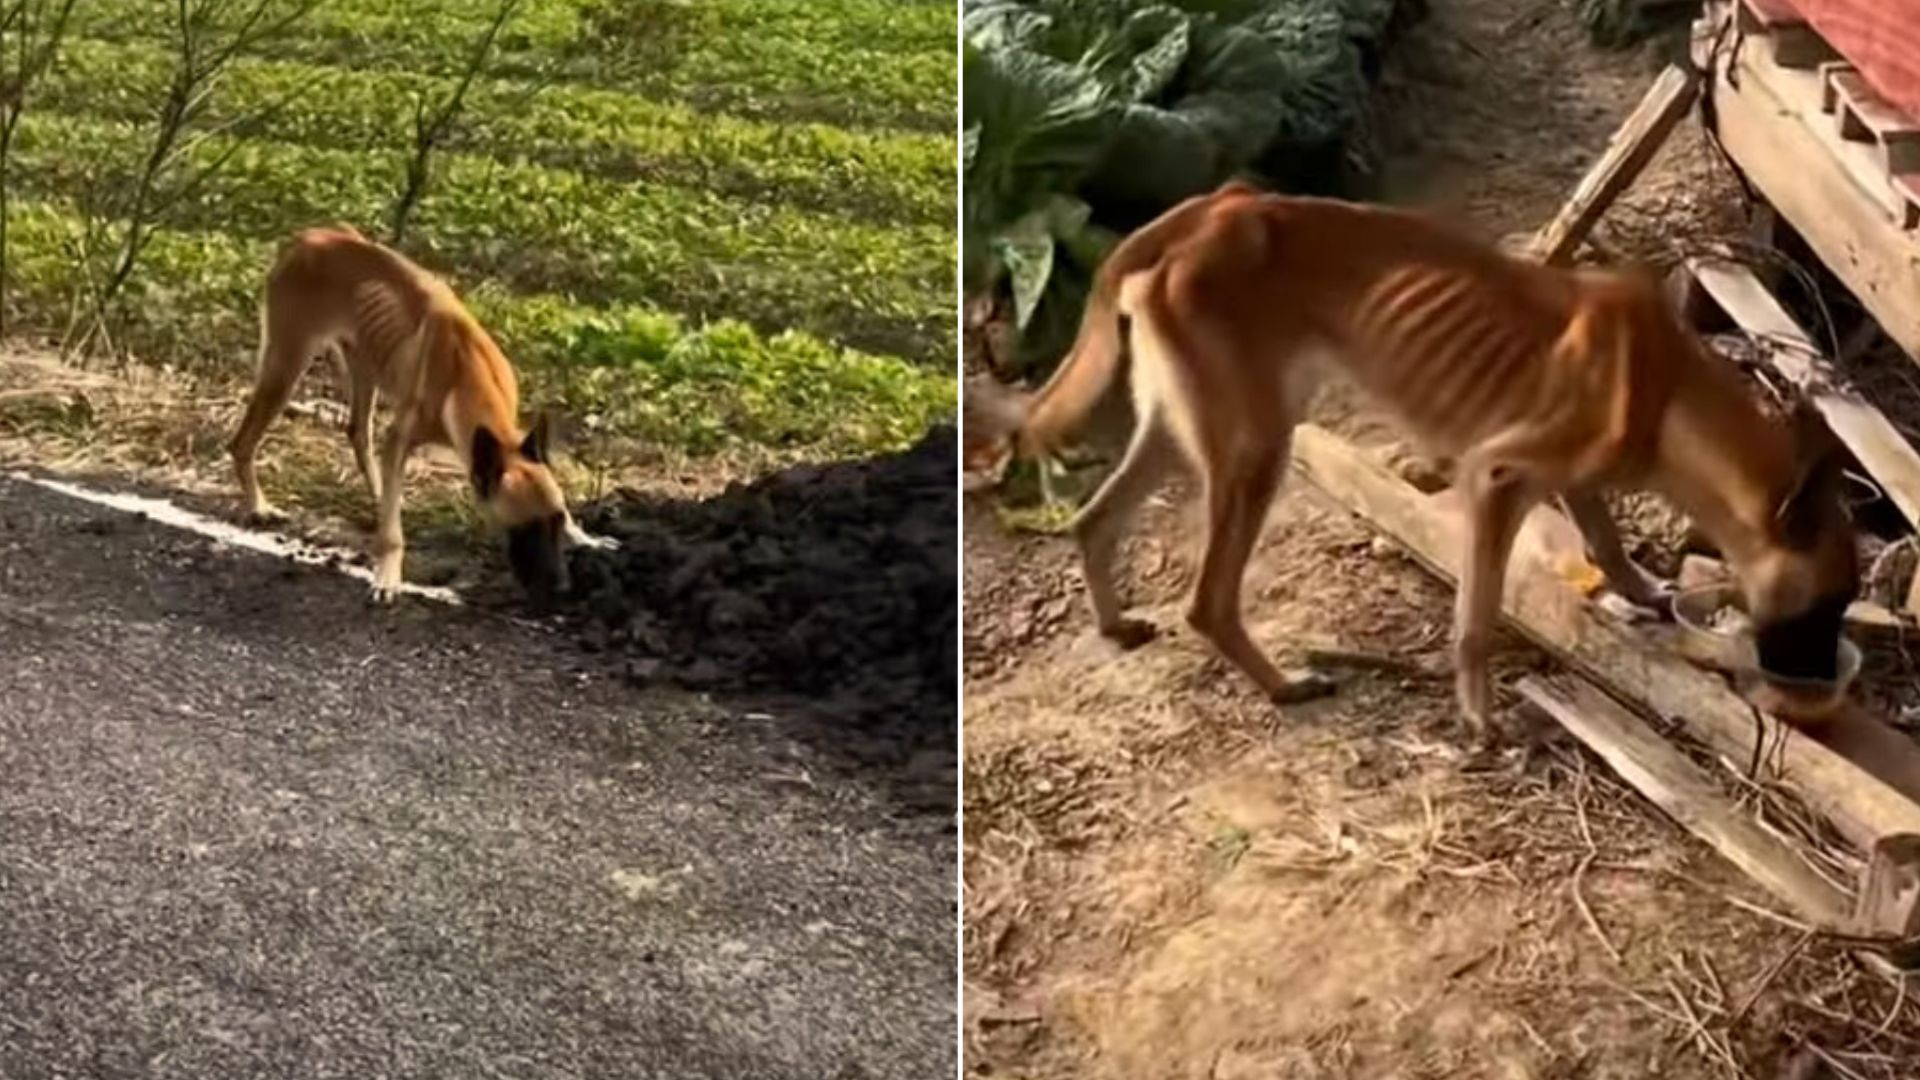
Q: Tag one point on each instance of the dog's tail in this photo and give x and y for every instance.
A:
(1049, 418)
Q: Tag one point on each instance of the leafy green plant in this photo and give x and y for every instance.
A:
(1087, 113)
(643, 35)
(31, 35)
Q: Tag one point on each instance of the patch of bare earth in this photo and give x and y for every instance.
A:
(1167, 877)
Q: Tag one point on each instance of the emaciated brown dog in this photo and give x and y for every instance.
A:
(1539, 382)
(403, 333)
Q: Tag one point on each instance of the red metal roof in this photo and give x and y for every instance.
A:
(1880, 38)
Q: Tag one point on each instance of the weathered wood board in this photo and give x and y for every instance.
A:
(1860, 774)
(1834, 193)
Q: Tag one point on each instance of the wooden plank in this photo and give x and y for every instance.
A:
(1771, 126)
(1906, 185)
(1628, 152)
(1880, 447)
(1865, 117)
(1548, 609)
(1880, 37)
(1863, 160)
(1664, 775)
(1830, 73)
(1800, 48)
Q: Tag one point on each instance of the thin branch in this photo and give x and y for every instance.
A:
(431, 127)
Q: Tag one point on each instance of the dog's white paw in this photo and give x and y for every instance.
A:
(266, 516)
(386, 582)
(580, 537)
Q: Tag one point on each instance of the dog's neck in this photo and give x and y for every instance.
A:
(1726, 468)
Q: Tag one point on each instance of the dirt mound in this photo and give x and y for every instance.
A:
(832, 582)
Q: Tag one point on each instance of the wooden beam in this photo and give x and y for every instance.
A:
(1627, 153)
(1769, 120)
(1676, 785)
(1906, 186)
(1880, 447)
(1801, 48)
(1831, 73)
(1866, 117)
(1860, 798)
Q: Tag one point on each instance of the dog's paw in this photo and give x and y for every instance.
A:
(386, 586)
(266, 516)
(1130, 634)
(1301, 687)
(581, 538)
(1656, 610)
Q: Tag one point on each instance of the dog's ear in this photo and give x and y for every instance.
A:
(487, 463)
(1818, 461)
(534, 446)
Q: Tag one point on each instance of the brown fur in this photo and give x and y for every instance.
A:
(401, 332)
(1540, 382)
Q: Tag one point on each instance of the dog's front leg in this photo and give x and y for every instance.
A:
(1498, 497)
(579, 537)
(389, 547)
(1589, 511)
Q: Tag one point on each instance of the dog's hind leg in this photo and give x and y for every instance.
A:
(360, 426)
(1498, 498)
(282, 360)
(1099, 525)
(1239, 491)
(1589, 511)
(389, 545)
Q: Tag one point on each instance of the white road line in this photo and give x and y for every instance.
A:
(221, 532)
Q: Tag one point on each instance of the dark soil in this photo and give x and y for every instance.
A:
(834, 583)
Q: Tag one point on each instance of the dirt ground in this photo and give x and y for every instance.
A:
(1166, 877)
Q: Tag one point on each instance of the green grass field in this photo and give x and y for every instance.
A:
(746, 240)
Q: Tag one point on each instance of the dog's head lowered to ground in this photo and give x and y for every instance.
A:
(1799, 590)
(515, 484)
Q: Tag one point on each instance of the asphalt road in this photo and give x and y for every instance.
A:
(252, 827)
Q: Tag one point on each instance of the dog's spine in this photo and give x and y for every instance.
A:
(1061, 406)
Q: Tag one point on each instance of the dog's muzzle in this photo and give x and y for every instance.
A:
(535, 556)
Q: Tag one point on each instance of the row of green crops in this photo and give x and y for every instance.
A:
(880, 175)
(882, 287)
(639, 370)
(742, 59)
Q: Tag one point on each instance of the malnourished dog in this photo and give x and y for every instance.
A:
(401, 331)
(1538, 382)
